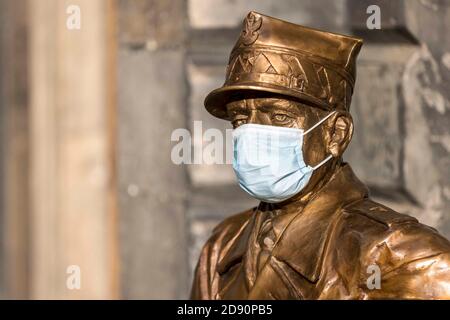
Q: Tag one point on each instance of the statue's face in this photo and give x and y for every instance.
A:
(332, 137)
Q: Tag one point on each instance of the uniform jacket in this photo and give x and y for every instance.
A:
(332, 248)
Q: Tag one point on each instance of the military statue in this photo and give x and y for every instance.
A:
(316, 234)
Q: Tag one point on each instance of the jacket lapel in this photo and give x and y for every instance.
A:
(303, 242)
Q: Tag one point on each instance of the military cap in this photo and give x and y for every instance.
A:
(276, 56)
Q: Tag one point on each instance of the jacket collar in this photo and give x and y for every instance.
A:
(302, 243)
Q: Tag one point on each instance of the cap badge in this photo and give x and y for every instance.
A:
(252, 24)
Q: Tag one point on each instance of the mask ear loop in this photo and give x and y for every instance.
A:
(319, 123)
(322, 162)
(312, 128)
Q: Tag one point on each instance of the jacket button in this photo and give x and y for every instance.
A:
(268, 242)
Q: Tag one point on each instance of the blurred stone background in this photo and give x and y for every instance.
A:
(169, 55)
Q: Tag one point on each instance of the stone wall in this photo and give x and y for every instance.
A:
(171, 56)
(426, 84)
(152, 102)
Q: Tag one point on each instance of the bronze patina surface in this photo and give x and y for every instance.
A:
(324, 242)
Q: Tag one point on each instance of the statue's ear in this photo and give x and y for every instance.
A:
(342, 131)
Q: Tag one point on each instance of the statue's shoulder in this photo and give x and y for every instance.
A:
(412, 259)
(385, 229)
(377, 213)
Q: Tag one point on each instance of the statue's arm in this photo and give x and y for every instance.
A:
(425, 278)
(416, 265)
(200, 286)
(203, 286)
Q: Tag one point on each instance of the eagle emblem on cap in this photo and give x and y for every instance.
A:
(252, 24)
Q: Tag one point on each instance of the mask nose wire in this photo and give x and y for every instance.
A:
(319, 123)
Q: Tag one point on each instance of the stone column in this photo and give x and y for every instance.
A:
(72, 110)
(14, 152)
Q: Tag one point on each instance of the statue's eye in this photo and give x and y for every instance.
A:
(280, 117)
(239, 120)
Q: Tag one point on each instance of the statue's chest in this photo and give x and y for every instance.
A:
(275, 281)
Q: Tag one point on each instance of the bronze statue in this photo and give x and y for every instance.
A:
(329, 240)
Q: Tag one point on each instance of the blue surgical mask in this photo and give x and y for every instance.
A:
(268, 160)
